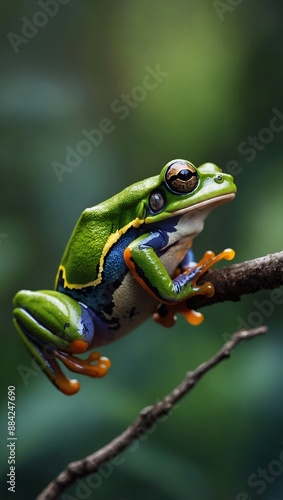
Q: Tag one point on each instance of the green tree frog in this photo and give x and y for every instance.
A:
(128, 258)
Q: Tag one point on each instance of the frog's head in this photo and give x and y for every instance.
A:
(182, 188)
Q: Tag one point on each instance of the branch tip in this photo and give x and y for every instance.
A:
(150, 414)
(230, 283)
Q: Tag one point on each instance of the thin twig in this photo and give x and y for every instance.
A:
(148, 417)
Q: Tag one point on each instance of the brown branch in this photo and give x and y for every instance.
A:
(148, 417)
(230, 283)
(263, 273)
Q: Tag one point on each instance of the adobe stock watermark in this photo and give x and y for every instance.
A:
(262, 310)
(260, 479)
(40, 19)
(222, 7)
(120, 107)
(254, 144)
(26, 372)
(85, 488)
(47, 354)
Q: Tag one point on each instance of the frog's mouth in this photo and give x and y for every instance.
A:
(204, 205)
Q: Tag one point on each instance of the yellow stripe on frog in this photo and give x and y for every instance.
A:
(113, 238)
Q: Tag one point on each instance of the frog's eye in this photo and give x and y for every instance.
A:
(181, 177)
(157, 200)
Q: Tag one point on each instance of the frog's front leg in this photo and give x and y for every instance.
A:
(166, 315)
(142, 258)
(54, 326)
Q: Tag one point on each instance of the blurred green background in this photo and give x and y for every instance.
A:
(222, 88)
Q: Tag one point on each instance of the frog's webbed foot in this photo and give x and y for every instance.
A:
(55, 327)
(208, 260)
(165, 314)
(77, 365)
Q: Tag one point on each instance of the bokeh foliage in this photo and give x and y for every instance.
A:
(224, 82)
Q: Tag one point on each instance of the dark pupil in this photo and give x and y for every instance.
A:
(184, 175)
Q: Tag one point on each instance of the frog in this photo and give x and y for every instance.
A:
(129, 258)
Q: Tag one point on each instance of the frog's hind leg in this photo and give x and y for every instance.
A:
(53, 326)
